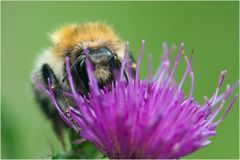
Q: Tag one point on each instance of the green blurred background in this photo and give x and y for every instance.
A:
(210, 28)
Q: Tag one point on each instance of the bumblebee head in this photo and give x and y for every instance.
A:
(104, 63)
(105, 50)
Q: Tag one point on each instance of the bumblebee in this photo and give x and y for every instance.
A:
(106, 51)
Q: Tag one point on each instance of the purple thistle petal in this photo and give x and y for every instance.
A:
(176, 62)
(149, 78)
(150, 118)
(92, 80)
(191, 75)
(164, 61)
(139, 60)
(124, 62)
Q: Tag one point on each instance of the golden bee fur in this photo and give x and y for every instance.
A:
(90, 35)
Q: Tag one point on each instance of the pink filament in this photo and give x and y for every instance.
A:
(227, 92)
(149, 68)
(176, 62)
(164, 60)
(183, 79)
(192, 77)
(70, 79)
(215, 113)
(124, 61)
(184, 75)
(220, 81)
(92, 80)
(139, 60)
(39, 85)
(227, 111)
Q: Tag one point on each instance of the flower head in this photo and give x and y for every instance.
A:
(150, 118)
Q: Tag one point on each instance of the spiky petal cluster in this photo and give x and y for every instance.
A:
(149, 118)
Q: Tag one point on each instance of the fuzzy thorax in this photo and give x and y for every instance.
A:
(88, 35)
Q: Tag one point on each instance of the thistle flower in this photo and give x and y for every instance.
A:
(149, 118)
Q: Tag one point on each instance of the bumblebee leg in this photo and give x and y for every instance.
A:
(57, 91)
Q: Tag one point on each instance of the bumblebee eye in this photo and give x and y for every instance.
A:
(108, 53)
(104, 53)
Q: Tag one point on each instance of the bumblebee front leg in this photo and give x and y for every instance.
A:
(48, 73)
